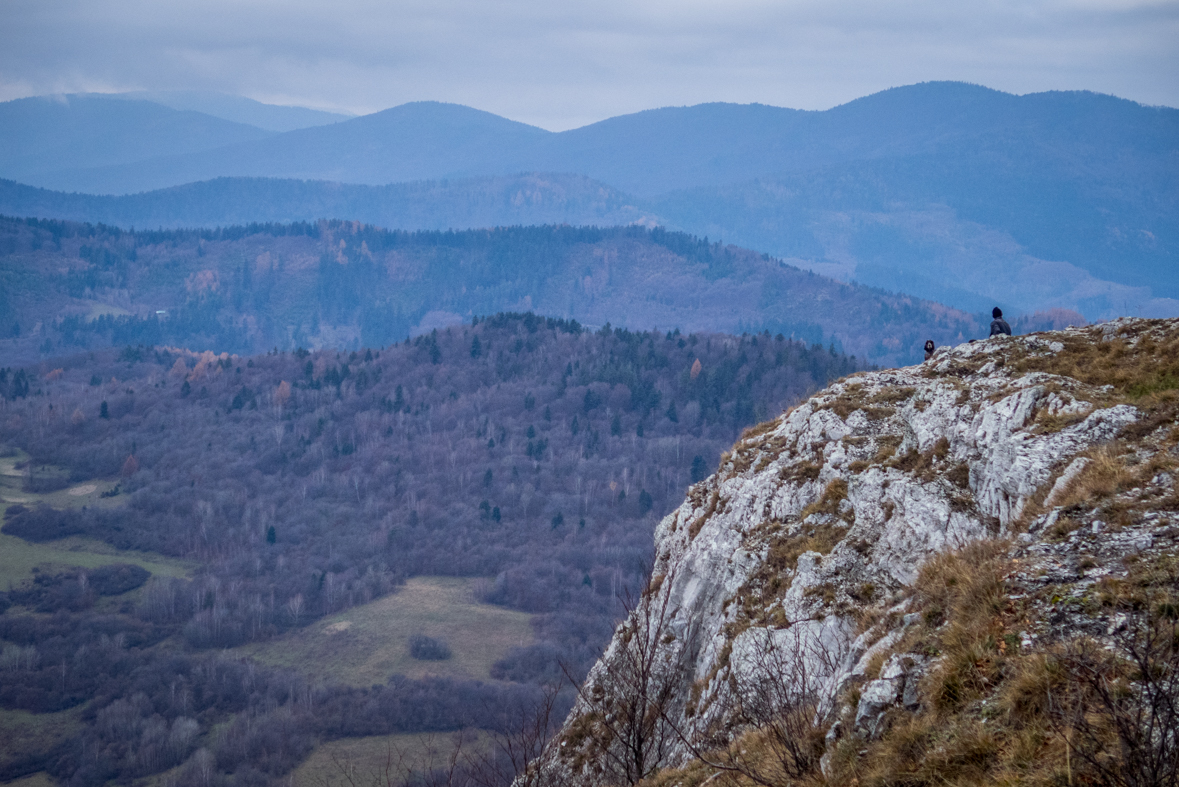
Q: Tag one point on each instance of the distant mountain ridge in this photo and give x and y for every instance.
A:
(661, 150)
(949, 191)
(40, 136)
(271, 117)
(532, 198)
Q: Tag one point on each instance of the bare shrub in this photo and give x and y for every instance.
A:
(513, 755)
(624, 730)
(426, 648)
(1120, 715)
(777, 688)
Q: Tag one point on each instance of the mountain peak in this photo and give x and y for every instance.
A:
(445, 112)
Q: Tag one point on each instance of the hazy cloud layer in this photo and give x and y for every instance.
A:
(563, 64)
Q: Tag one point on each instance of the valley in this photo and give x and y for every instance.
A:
(316, 546)
(402, 449)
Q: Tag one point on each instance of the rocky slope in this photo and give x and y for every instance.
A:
(911, 555)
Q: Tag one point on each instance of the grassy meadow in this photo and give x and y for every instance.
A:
(368, 643)
(18, 557)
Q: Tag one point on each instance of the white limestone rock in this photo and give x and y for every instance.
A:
(892, 467)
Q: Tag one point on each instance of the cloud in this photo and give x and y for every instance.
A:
(563, 64)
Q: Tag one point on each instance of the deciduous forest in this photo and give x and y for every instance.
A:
(528, 452)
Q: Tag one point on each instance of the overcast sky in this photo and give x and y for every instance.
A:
(562, 64)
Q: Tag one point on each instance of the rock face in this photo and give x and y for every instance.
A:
(825, 512)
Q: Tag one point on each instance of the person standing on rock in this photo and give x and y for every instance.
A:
(998, 324)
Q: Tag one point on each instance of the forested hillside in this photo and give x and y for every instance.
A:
(344, 284)
(523, 450)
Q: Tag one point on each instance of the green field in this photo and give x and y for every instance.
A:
(86, 493)
(105, 309)
(27, 733)
(367, 644)
(18, 557)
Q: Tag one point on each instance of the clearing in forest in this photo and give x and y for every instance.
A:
(18, 557)
(368, 643)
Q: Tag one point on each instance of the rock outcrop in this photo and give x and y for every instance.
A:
(789, 570)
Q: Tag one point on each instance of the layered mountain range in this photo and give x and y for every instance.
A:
(947, 191)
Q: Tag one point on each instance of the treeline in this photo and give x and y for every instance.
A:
(525, 450)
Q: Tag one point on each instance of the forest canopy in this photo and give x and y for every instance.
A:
(529, 452)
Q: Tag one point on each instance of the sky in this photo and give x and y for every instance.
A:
(561, 65)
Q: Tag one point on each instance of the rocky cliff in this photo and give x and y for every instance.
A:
(919, 575)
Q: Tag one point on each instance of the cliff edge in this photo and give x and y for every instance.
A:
(919, 575)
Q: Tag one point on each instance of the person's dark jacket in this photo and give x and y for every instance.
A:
(1000, 326)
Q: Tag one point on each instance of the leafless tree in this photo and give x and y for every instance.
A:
(776, 694)
(629, 699)
(512, 755)
(1121, 718)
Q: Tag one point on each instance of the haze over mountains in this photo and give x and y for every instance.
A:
(271, 117)
(47, 134)
(944, 190)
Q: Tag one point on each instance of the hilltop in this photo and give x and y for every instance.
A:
(51, 133)
(960, 571)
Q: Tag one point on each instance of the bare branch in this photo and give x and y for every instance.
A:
(1121, 718)
(627, 703)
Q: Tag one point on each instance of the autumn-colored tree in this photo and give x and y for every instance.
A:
(282, 395)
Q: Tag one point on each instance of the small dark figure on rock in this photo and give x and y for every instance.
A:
(929, 348)
(998, 324)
